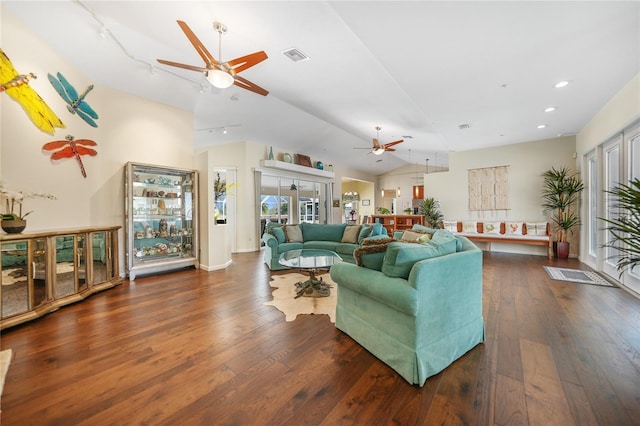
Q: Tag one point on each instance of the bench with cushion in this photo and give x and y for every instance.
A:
(510, 232)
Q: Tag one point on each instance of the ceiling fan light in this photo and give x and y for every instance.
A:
(220, 79)
(378, 151)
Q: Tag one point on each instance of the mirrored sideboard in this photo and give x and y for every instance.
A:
(42, 271)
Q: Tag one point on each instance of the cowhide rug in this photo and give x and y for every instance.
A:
(285, 292)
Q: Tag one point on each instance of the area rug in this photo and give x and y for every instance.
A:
(284, 298)
(577, 276)
(5, 360)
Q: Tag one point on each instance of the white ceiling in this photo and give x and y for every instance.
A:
(414, 68)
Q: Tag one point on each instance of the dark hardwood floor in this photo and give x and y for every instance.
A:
(193, 347)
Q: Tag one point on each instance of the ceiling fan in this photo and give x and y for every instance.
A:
(221, 74)
(378, 148)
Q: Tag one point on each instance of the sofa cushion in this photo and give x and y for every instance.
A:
(371, 256)
(350, 234)
(289, 246)
(320, 245)
(415, 236)
(401, 256)
(345, 250)
(322, 232)
(293, 233)
(278, 232)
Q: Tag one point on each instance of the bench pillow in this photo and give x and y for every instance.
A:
(491, 228)
(537, 228)
(450, 225)
(470, 227)
(513, 228)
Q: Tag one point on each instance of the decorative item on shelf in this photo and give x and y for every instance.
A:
(319, 165)
(303, 160)
(13, 220)
(352, 213)
(287, 158)
(270, 153)
(329, 167)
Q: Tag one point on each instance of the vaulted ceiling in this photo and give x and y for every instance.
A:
(445, 76)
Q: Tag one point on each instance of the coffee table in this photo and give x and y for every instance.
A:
(311, 261)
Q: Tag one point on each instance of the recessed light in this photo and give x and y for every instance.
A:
(549, 109)
(541, 126)
(561, 84)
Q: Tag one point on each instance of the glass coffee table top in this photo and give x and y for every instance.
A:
(310, 260)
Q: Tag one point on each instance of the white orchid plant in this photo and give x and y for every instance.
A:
(12, 201)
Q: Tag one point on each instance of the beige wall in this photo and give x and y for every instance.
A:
(526, 161)
(621, 111)
(129, 129)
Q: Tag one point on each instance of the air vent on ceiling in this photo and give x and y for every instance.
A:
(295, 55)
(464, 126)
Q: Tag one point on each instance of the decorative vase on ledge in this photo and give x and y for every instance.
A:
(13, 226)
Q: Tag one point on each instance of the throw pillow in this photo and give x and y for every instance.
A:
(470, 226)
(537, 228)
(414, 236)
(514, 228)
(491, 228)
(450, 225)
(370, 256)
(293, 233)
(365, 232)
(350, 234)
(424, 238)
(278, 232)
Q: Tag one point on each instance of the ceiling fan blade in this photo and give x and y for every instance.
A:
(393, 143)
(179, 65)
(197, 44)
(244, 62)
(390, 149)
(376, 144)
(246, 84)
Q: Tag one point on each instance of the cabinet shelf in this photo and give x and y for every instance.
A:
(397, 222)
(149, 211)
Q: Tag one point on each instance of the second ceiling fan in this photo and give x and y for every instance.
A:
(378, 148)
(221, 74)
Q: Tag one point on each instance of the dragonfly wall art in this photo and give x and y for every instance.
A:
(17, 86)
(75, 103)
(71, 148)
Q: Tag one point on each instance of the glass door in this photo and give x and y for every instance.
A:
(612, 176)
(631, 278)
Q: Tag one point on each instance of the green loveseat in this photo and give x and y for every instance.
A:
(416, 307)
(315, 236)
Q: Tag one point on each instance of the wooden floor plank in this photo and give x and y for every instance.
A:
(197, 347)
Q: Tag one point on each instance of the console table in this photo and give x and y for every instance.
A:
(397, 222)
(43, 271)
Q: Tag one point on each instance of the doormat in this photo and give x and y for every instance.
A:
(285, 292)
(577, 276)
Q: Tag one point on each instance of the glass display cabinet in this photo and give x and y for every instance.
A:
(42, 271)
(161, 208)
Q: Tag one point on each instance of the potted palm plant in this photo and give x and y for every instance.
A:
(560, 192)
(624, 230)
(430, 208)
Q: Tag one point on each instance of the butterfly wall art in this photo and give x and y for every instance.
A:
(70, 148)
(75, 104)
(17, 87)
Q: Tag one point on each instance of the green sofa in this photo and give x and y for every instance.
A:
(416, 307)
(315, 236)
